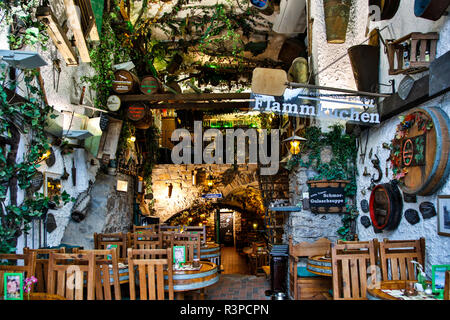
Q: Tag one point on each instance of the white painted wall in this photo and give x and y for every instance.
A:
(437, 247)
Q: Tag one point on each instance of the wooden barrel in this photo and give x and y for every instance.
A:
(365, 62)
(426, 177)
(209, 252)
(337, 14)
(195, 279)
(386, 206)
(140, 115)
(430, 9)
(124, 82)
(150, 85)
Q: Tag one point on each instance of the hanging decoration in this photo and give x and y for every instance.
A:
(420, 151)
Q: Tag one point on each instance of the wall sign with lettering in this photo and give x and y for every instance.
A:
(327, 196)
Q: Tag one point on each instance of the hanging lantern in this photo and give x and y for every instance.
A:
(294, 144)
(210, 181)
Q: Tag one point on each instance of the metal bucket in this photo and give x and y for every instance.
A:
(337, 13)
(365, 62)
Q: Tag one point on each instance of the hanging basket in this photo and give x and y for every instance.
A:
(365, 61)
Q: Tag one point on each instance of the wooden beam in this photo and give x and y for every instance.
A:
(184, 97)
(75, 25)
(203, 106)
(57, 34)
(394, 105)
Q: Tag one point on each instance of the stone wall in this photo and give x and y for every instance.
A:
(305, 225)
(185, 195)
(109, 211)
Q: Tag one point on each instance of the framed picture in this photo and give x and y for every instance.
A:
(438, 277)
(179, 254)
(443, 211)
(13, 286)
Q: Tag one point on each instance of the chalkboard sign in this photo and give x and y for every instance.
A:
(327, 196)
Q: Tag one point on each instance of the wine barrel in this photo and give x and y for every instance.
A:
(124, 81)
(426, 179)
(195, 279)
(365, 61)
(337, 13)
(140, 115)
(430, 9)
(386, 206)
(150, 85)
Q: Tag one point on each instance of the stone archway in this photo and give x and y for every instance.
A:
(174, 191)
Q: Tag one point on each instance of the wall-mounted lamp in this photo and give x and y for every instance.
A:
(132, 139)
(210, 181)
(194, 177)
(294, 144)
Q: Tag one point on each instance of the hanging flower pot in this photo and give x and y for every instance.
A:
(337, 13)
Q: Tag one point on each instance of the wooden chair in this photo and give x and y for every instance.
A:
(149, 227)
(191, 241)
(396, 257)
(350, 264)
(258, 258)
(147, 240)
(151, 273)
(196, 229)
(28, 268)
(304, 285)
(41, 272)
(376, 246)
(447, 285)
(106, 269)
(104, 241)
(67, 273)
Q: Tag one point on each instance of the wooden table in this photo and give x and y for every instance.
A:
(188, 280)
(210, 252)
(320, 265)
(378, 294)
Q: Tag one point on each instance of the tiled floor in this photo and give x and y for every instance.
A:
(235, 281)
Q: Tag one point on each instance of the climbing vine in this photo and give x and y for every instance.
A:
(341, 166)
(22, 117)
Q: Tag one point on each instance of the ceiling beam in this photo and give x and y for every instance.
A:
(184, 97)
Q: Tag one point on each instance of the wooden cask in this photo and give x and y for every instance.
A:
(124, 82)
(424, 151)
(386, 206)
(150, 85)
(140, 115)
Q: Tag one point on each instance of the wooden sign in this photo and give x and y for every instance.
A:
(327, 196)
(113, 103)
(124, 81)
(137, 111)
(420, 151)
(149, 85)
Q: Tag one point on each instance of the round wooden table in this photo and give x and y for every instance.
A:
(320, 265)
(210, 251)
(378, 294)
(188, 280)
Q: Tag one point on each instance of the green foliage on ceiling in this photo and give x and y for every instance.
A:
(341, 167)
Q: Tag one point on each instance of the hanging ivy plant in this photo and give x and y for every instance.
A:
(341, 166)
